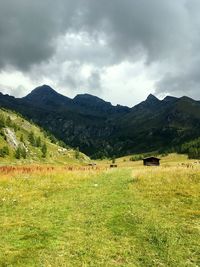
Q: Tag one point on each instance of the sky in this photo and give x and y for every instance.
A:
(119, 50)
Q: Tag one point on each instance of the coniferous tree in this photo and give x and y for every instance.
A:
(8, 122)
(113, 160)
(77, 153)
(44, 150)
(31, 138)
(22, 138)
(23, 152)
(18, 153)
(38, 141)
(2, 121)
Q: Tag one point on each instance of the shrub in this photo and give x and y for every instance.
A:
(136, 157)
(4, 151)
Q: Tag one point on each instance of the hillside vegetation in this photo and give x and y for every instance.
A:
(192, 149)
(24, 142)
(138, 216)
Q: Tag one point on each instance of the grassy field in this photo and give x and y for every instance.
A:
(130, 216)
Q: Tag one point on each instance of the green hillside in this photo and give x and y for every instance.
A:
(23, 142)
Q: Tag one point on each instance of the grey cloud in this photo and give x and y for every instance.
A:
(19, 91)
(33, 34)
(184, 81)
(94, 81)
(140, 27)
(72, 79)
(28, 30)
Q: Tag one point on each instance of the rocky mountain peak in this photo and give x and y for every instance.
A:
(152, 98)
(42, 91)
(88, 98)
(170, 99)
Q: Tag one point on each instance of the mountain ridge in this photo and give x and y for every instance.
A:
(100, 129)
(46, 91)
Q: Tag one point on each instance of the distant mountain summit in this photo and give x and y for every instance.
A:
(101, 130)
(87, 98)
(97, 106)
(41, 91)
(152, 98)
(46, 96)
(89, 102)
(170, 99)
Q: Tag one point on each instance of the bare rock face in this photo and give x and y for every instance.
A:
(11, 138)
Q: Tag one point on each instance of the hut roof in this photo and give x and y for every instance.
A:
(151, 158)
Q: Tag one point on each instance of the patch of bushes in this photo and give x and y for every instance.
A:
(7, 122)
(136, 157)
(37, 142)
(191, 148)
(20, 153)
(4, 151)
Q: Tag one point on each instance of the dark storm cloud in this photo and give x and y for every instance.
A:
(184, 81)
(165, 33)
(28, 30)
(136, 27)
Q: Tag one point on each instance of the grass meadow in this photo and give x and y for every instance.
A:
(129, 216)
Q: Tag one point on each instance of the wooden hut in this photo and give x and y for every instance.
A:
(113, 165)
(93, 164)
(151, 161)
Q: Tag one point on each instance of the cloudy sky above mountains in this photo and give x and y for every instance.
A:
(120, 50)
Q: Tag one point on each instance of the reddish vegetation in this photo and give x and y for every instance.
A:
(46, 169)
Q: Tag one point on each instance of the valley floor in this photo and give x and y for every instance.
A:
(131, 216)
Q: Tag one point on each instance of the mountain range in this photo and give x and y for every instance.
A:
(100, 129)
